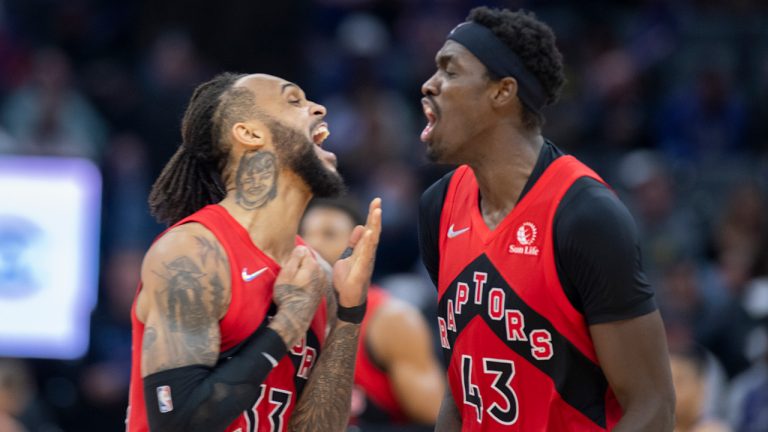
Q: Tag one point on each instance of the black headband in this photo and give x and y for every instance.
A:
(500, 60)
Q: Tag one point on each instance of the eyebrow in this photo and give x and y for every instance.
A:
(286, 85)
(443, 59)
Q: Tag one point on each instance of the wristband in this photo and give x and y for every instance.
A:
(353, 315)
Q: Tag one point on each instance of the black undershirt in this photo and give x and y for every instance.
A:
(596, 246)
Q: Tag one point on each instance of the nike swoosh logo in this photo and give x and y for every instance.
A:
(452, 233)
(251, 276)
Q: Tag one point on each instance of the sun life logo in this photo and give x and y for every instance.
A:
(526, 236)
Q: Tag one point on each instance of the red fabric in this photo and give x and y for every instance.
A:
(521, 255)
(247, 311)
(370, 380)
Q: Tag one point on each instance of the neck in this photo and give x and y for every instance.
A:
(502, 166)
(274, 224)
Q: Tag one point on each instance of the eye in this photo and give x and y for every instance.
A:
(296, 102)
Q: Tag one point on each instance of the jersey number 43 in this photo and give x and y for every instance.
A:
(502, 371)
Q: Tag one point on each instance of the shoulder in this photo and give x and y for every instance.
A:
(434, 195)
(180, 239)
(397, 329)
(188, 251)
(190, 244)
(598, 256)
(591, 207)
(398, 314)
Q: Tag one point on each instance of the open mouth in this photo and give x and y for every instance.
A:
(429, 112)
(320, 134)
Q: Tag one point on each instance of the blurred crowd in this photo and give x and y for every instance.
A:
(666, 99)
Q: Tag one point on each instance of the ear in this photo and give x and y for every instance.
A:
(251, 134)
(504, 92)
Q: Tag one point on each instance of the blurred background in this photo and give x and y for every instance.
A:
(666, 99)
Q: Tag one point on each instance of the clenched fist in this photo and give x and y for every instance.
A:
(297, 293)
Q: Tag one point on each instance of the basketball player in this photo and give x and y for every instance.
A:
(397, 378)
(229, 322)
(544, 310)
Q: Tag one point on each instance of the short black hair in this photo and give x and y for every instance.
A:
(344, 205)
(534, 42)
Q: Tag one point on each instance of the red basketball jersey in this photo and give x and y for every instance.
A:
(253, 275)
(520, 356)
(373, 398)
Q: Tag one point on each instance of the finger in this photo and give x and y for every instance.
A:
(356, 235)
(373, 230)
(294, 261)
(365, 254)
(308, 269)
(375, 204)
(374, 221)
(366, 248)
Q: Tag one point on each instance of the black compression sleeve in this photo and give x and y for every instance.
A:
(598, 257)
(430, 209)
(201, 398)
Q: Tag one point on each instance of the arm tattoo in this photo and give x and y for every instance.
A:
(256, 180)
(217, 302)
(325, 403)
(296, 307)
(189, 314)
(212, 249)
(150, 337)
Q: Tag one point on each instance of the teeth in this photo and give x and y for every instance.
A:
(321, 134)
(429, 113)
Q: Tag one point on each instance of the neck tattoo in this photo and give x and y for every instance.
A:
(256, 180)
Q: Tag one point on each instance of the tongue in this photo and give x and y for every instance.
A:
(427, 131)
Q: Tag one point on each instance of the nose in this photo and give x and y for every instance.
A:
(318, 110)
(430, 86)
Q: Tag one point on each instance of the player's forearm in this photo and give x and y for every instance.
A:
(420, 394)
(201, 398)
(449, 419)
(297, 307)
(656, 414)
(325, 402)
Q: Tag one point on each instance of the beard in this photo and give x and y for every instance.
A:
(433, 155)
(298, 153)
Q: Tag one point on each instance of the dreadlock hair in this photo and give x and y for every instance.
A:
(534, 42)
(194, 176)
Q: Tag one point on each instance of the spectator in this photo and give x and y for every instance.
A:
(48, 115)
(689, 375)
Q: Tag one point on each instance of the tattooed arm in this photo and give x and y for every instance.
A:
(325, 402)
(185, 292)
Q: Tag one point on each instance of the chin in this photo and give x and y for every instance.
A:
(435, 154)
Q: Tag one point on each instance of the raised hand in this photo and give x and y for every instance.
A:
(352, 274)
(297, 293)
